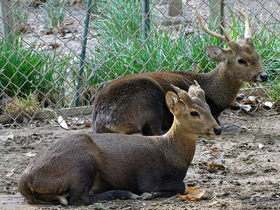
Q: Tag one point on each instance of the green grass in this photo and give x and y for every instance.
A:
(54, 13)
(24, 71)
(21, 15)
(123, 52)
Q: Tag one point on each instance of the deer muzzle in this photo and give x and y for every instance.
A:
(218, 130)
(261, 77)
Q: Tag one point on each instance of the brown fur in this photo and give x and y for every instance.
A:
(135, 104)
(82, 169)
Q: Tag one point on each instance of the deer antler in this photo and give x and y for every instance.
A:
(196, 84)
(225, 38)
(248, 29)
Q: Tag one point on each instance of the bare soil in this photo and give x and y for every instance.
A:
(249, 147)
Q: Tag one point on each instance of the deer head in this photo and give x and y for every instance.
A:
(191, 111)
(241, 57)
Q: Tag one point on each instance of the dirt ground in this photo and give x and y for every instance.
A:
(249, 148)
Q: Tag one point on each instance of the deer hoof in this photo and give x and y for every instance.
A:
(146, 196)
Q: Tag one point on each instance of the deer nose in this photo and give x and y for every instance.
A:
(217, 131)
(264, 77)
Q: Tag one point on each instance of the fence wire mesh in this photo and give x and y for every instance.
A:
(41, 45)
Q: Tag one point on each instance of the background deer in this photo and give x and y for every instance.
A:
(83, 169)
(135, 104)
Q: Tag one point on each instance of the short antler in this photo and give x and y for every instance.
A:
(175, 88)
(196, 91)
(225, 38)
(248, 29)
(182, 93)
(196, 83)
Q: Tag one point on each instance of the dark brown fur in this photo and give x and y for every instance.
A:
(83, 169)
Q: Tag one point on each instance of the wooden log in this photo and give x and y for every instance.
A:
(52, 114)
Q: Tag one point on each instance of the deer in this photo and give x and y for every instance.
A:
(85, 168)
(135, 103)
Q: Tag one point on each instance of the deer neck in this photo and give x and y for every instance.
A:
(179, 147)
(221, 85)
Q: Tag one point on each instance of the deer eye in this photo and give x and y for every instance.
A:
(194, 114)
(241, 61)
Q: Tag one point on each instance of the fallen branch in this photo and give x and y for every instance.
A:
(234, 117)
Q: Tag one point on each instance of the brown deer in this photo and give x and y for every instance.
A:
(135, 103)
(83, 169)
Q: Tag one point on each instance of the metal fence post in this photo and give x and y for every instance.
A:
(145, 18)
(217, 13)
(83, 53)
(7, 18)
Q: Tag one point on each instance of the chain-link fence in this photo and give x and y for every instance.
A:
(53, 61)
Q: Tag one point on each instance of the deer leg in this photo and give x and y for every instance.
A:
(164, 194)
(78, 193)
(112, 195)
(158, 194)
(163, 190)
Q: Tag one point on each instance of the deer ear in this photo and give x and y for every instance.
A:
(171, 99)
(173, 102)
(201, 95)
(216, 53)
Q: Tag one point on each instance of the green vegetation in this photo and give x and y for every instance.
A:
(21, 15)
(54, 13)
(24, 71)
(123, 51)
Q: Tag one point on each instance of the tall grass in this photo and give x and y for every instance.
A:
(123, 52)
(54, 13)
(24, 71)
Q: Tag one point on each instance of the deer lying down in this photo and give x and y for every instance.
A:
(83, 169)
(135, 104)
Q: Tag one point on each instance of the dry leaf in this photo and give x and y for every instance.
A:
(87, 124)
(247, 108)
(193, 195)
(261, 146)
(267, 104)
(30, 154)
(62, 122)
(69, 21)
(250, 100)
(215, 165)
(10, 173)
(5, 138)
(214, 150)
(253, 99)
(240, 96)
(54, 46)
